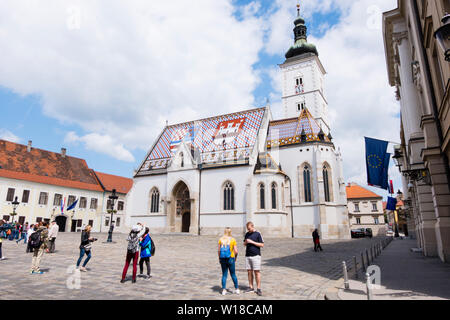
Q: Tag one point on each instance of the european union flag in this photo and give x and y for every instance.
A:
(377, 163)
(391, 204)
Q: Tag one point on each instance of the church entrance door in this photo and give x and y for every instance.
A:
(186, 222)
(182, 207)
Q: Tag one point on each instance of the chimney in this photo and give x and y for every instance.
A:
(63, 152)
(29, 145)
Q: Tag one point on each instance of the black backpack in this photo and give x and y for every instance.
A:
(35, 239)
(152, 250)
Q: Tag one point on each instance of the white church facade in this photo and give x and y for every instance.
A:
(284, 175)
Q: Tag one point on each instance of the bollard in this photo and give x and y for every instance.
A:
(355, 263)
(344, 268)
(368, 287)
(362, 261)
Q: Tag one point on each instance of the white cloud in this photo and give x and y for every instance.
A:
(119, 69)
(102, 144)
(9, 136)
(361, 103)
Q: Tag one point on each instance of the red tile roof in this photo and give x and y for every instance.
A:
(45, 167)
(355, 191)
(110, 182)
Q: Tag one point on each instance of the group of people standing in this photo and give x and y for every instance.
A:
(228, 253)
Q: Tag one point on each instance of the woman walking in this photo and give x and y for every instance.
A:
(227, 257)
(132, 251)
(146, 252)
(85, 247)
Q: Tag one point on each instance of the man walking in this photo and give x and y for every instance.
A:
(39, 247)
(316, 239)
(23, 233)
(52, 234)
(253, 242)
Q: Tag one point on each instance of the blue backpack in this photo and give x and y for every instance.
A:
(225, 251)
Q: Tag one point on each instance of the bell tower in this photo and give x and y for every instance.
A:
(303, 78)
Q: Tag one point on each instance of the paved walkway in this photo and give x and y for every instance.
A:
(405, 275)
(184, 267)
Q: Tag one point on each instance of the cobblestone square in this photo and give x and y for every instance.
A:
(184, 267)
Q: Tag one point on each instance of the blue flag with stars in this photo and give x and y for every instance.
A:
(377, 163)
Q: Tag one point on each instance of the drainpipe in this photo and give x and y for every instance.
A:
(199, 195)
(433, 96)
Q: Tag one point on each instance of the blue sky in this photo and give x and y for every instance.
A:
(71, 80)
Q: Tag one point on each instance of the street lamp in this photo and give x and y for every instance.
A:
(442, 36)
(113, 197)
(398, 157)
(15, 204)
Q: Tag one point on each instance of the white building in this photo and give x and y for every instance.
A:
(46, 184)
(284, 175)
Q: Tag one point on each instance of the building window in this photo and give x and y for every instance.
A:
(262, 200)
(71, 201)
(120, 206)
(274, 195)
(57, 199)
(25, 196)
(154, 205)
(374, 206)
(38, 219)
(299, 86)
(83, 203)
(376, 220)
(43, 198)
(91, 223)
(358, 220)
(6, 218)
(301, 106)
(307, 184)
(94, 203)
(117, 222)
(106, 221)
(109, 205)
(356, 207)
(228, 197)
(10, 195)
(181, 159)
(326, 183)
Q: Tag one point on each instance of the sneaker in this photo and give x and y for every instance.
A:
(250, 290)
(2, 258)
(38, 272)
(259, 292)
(224, 292)
(237, 291)
(122, 281)
(148, 277)
(83, 269)
(133, 281)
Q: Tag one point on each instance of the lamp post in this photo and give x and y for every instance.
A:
(113, 197)
(442, 36)
(15, 204)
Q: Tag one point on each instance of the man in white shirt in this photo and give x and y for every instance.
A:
(52, 234)
(29, 233)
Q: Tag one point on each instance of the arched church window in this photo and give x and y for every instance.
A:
(154, 204)
(307, 183)
(274, 195)
(228, 197)
(326, 183)
(262, 200)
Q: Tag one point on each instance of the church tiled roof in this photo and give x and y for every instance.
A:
(216, 139)
(289, 131)
(45, 167)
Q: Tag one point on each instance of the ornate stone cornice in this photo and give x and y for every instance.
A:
(398, 37)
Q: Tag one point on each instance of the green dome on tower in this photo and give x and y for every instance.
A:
(301, 44)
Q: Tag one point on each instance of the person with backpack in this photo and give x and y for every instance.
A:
(132, 251)
(253, 241)
(85, 247)
(30, 231)
(227, 257)
(38, 241)
(147, 250)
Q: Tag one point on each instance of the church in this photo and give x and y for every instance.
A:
(284, 175)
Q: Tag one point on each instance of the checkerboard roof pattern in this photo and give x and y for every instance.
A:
(201, 134)
(288, 131)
